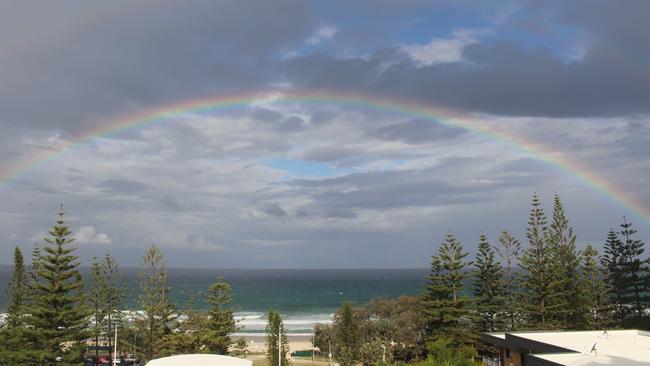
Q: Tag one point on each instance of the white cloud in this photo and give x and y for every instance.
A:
(88, 235)
(323, 33)
(441, 50)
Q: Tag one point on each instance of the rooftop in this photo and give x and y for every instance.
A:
(583, 348)
(199, 360)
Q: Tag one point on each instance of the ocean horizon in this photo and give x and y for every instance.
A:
(303, 297)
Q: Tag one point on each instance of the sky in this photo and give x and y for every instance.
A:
(332, 183)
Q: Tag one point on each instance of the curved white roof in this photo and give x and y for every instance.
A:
(200, 360)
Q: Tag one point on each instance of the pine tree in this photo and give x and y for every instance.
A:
(58, 315)
(615, 276)
(276, 342)
(636, 270)
(32, 346)
(443, 306)
(564, 306)
(348, 336)
(33, 274)
(13, 337)
(18, 292)
(114, 293)
(509, 252)
(488, 288)
(535, 262)
(96, 299)
(154, 301)
(221, 320)
(191, 335)
(594, 290)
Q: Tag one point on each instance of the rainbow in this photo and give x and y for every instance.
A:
(418, 110)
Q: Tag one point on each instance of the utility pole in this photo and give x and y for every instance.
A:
(115, 350)
(279, 344)
(313, 345)
(329, 346)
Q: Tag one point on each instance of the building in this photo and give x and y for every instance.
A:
(200, 360)
(579, 348)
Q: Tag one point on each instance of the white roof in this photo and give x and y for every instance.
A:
(614, 347)
(200, 360)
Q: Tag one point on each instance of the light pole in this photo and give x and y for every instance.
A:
(329, 346)
(115, 346)
(313, 345)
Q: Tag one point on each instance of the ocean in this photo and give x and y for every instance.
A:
(302, 296)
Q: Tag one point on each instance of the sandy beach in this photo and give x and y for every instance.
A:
(256, 343)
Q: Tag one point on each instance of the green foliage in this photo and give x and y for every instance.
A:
(323, 337)
(393, 326)
(114, 294)
(105, 297)
(509, 249)
(535, 263)
(636, 279)
(397, 324)
(277, 343)
(370, 353)
(443, 353)
(221, 320)
(12, 336)
(445, 310)
(58, 315)
(96, 300)
(189, 335)
(18, 292)
(488, 288)
(348, 335)
(615, 276)
(594, 291)
(154, 302)
(240, 346)
(565, 307)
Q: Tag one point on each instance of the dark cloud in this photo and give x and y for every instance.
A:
(266, 115)
(501, 79)
(277, 120)
(508, 78)
(320, 116)
(417, 131)
(171, 203)
(291, 124)
(326, 154)
(273, 209)
(411, 188)
(86, 61)
(123, 186)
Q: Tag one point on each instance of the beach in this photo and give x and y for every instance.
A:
(256, 342)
